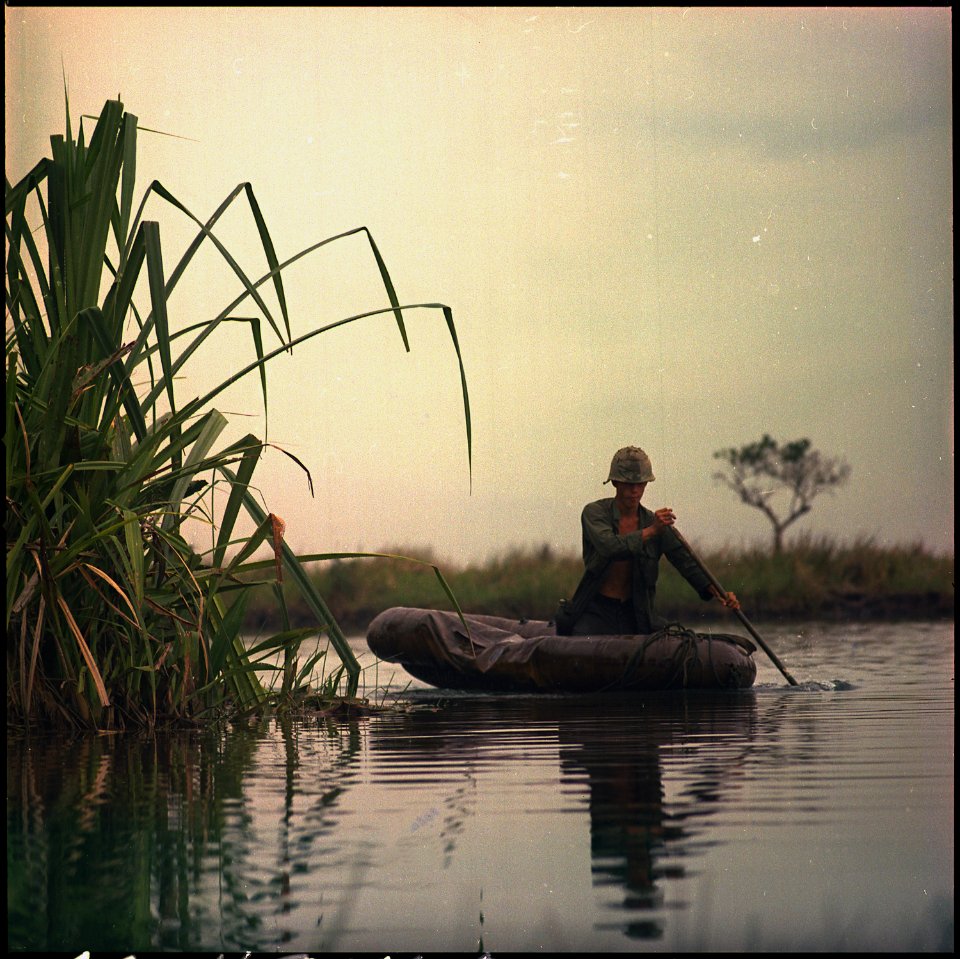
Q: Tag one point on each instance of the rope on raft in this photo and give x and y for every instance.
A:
(684, 656)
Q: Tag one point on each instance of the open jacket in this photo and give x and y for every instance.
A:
(602, 544)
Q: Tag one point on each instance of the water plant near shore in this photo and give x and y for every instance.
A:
(112, 616)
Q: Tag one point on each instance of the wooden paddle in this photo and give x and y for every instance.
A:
(743, 619)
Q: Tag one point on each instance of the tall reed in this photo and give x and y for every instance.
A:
(112, 616)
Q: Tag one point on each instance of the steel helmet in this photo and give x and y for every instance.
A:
(630, 465)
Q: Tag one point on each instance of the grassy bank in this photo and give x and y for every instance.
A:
(813, 578)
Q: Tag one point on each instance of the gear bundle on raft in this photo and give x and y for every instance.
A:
(507, 655)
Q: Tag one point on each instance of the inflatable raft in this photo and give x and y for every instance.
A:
(508, 655)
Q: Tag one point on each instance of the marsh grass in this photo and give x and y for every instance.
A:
(817, 576)
(813, 577)
(113, 618)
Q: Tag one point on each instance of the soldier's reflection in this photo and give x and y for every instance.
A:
(626, 814)
(612, 750)
(633, 834)
(628, 827)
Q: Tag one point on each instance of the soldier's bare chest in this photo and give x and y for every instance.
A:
(628, 524)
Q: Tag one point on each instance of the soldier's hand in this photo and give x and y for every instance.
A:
(728, 599)
(664, 517)
(731, 601)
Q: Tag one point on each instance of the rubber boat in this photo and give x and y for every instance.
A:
(491, 653)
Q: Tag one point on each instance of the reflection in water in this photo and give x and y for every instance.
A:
(610, 749)
(508, 823)
(150, 842)
(186, 841)
(634, 833)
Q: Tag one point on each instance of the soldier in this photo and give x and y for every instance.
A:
(622, 545)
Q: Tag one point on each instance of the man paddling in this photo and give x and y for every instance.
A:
(622, 545)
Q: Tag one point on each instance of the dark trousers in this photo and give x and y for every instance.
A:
(609, 617)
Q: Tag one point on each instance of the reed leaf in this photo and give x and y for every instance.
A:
(211, 426)
(158, 303)
(311, 596)
(238, 488)
(85, 652)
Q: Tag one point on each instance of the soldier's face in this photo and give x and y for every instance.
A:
(630, 494)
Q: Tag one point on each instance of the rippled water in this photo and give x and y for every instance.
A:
(817, 817)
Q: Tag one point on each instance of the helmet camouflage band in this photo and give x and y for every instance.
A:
(630, 465)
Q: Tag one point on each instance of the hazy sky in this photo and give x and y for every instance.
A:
(677, 227)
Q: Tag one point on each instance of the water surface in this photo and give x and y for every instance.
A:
(780, 818)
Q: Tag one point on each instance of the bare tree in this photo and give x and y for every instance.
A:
(759, 470)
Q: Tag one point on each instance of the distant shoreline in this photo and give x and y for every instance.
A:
(868, 611)
(814, 579)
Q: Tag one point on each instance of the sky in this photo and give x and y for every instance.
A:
(678, 228)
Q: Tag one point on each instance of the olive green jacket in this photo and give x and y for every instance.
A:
(602, 544)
